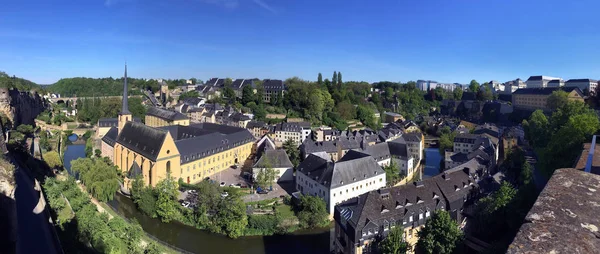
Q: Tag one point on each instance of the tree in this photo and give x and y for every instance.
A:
(557, 99)
(266, 176)
(366, 116)
(247, 95)
(260, 91)
(339, 79)
(291, 148)
(346, 110)
(231, 217)
(189, 94)
(392, 173)
(52, 159)
(526, 174)
(166, 205)
(25, 129)
(474, 86)
(101, 179)
(458, 92)
(498, 199)
(229, 93)
(98, 153)
(394, 242)
(334, 80)
(440, 234)
(320, 79)
(537, 129)
(153, 248)
(485, 93)
(312, 211)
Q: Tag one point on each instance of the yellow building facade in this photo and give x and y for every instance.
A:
(158, 117)
(536, 98)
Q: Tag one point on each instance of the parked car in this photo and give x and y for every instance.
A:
(185, 204)
(224, 194)
(192, 191)
(234, 167)
(235, 185)
(222, 184)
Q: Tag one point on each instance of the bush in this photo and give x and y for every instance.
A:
(262, 225)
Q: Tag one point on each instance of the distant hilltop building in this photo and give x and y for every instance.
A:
(542, 81)
(425, 85)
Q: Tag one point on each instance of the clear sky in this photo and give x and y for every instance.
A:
(447, 41)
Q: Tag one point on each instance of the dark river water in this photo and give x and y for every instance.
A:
(199, 241)
(432, 162)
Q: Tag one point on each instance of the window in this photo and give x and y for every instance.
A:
(420, 216)
(168, 167)
(427, 214)
(410, 219)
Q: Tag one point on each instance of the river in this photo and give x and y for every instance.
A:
(73, 152)
(201, 241)
(432, 162)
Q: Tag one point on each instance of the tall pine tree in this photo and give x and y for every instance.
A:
(334, 78)
(320, 79)
(339, 78)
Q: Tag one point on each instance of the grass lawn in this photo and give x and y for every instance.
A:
(285, 210)
(66, 214)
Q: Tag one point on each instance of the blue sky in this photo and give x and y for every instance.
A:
(447, 41)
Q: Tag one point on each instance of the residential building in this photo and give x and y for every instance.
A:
(278, 160)
(426, 85)
(108, 143)
(273, 88)
(539, 81)
(587, 86)
(361, 220)
(336, 149)
(288, 131)
(391, 117)
(239, 84)
(158, 117)
(482, 147)
(257, 128)
(513, 85)
(356, 173)
(536, 98)
(410, 126)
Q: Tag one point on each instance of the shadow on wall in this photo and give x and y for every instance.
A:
(8, 224)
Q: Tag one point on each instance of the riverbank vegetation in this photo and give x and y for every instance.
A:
(89, 230)
(227, 214)
(558, 140)
(100, 178)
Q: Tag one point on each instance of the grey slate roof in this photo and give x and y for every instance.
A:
(394, 206)
(142, 139)
(274, 158)
(354, 166)
(581, 80)
(288, 127)
(546, 90)
(110, 137)
(165, 114)
(379, 151)
(214, 141)
(466, 138)
(273, 85)
(398, 148)
(412, 137)
(256, 124)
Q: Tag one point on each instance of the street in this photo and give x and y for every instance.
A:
(34, 232)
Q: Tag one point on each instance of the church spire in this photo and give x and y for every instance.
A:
(125, 109)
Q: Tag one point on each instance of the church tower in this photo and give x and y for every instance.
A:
(124, 115)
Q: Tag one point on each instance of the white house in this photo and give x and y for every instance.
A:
(356, 173)
(287, 131)
(277, 160)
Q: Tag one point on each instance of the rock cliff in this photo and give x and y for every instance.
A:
(8, 209)
(21, 107)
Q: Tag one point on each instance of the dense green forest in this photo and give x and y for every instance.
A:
(90, 87)
(90, 110)
(7, 81)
